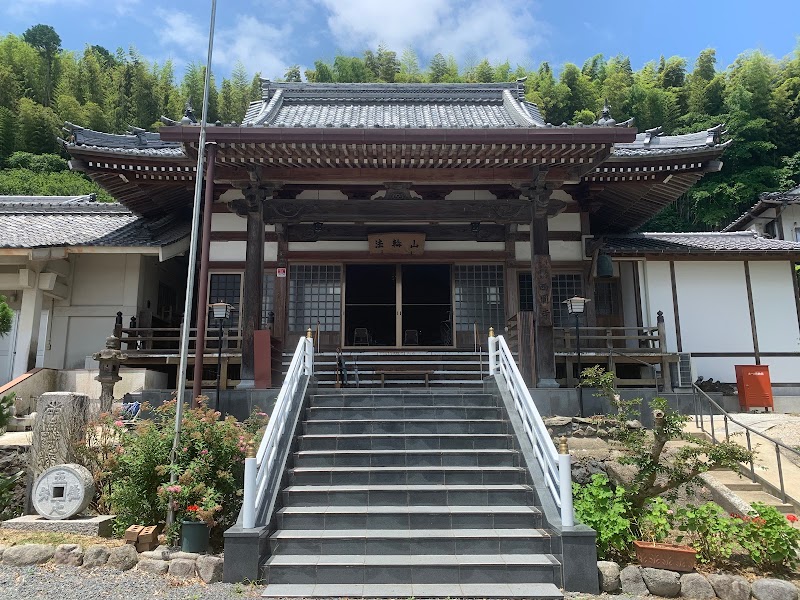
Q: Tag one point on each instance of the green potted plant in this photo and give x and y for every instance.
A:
(196, 524)
(655, 525)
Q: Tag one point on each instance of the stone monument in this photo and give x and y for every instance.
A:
(63, 491)
(61, 420)
(109, 358)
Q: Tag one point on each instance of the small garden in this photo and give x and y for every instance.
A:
(133, 472)
(652, 503)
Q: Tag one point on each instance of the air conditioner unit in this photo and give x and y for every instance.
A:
(683, 372)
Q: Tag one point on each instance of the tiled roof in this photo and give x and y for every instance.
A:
(653, 143)
(42, 221)
(398, 105)
(766, 200)
(696, 243)
(136, 143)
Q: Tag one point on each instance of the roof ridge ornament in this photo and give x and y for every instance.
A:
(521, 88)
(606, 120)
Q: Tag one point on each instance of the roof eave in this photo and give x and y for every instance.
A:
(354, 135)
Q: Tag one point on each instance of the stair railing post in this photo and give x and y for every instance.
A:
(309, 353)
(492, 352)
(565, 483)
(249, 499)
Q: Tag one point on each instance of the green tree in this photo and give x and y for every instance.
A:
(47, 42)
(293, 74)
(37, 128)
(437, 69)
(8, 126)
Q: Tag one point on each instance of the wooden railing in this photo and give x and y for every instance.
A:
(145, 341)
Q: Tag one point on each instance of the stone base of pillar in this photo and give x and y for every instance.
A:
(547, 383)
(246, 384)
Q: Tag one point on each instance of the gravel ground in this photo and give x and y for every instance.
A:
(71, 583)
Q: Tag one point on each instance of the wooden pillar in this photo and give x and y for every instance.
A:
(202, 284)
(280, 301)
(590, 314)
(252, 207)
(541, 269)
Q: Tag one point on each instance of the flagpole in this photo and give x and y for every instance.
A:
(187, 307)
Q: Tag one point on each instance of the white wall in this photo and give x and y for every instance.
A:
(656, 282)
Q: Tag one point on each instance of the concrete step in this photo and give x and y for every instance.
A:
(410, 541)
(406, 458)
(406, 475)
(735, 482)
(411, 568)
(449, 398)
(409, 517)
(768, 499)
(408, 495)
(404, 426)
(529, 591)
(350, 413)
(405, 441)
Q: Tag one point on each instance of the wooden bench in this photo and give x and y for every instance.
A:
(384, 373)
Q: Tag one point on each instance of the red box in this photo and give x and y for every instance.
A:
(754, 386)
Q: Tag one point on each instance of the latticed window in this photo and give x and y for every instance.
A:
(606, 298)
(268, 294)
(565, 286)
(315, 296)
(226, 287)
(479, 296)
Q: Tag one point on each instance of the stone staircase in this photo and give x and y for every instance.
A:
(407, 493)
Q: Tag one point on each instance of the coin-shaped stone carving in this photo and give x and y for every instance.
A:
(63, 491)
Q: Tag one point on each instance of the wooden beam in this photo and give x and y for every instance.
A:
(336, 232)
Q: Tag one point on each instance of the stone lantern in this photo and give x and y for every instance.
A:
(109, 358)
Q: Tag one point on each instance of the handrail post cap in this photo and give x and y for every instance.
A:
(491, 332)
(308, 333)
(563, 445)
(251, 449)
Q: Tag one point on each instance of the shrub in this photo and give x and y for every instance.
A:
(769, 538)
(607, 511)
(709, 530)
(209, 467)
(654, 473)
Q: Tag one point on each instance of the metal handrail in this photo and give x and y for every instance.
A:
(555, 465)
(700, 424)
(258, 501)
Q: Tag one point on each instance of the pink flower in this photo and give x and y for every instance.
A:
(203, 451)
(118, 423)
(185, 449)
(174, 489)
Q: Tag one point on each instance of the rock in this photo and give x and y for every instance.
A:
(123, 558)
(152, 565)
(186, 555)
(632, 582)
(602, 432)
(28, 554)
(2, 549)
(694, 585)
(591, 431)
(661, 582)
(181, 567)
(557, 421)
(95, 556)
(766, 589)
(578, 433)
(730, 587)
(634, 424)
(69, 554)
(210, 568)
(609, 575)
(583, 420)
(157, 554)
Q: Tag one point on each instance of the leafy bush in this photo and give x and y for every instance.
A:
(654, 473)
(39, 163)
(209, 466)
(769, 538)
(8, 508)
(709, 530)
(6, 404)
(655, 522)
(607, 511)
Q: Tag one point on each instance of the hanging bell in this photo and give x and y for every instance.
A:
(605, 266)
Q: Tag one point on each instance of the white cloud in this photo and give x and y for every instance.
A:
(257, 44)
(468, 29)
(179, 29)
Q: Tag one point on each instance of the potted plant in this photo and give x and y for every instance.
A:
(655, 525)
(198, 519)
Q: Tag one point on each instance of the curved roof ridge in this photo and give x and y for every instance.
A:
(518, 111)
(269, 110)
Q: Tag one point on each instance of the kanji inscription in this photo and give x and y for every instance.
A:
(396, 243)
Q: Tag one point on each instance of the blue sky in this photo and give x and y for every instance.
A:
(270, 35)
